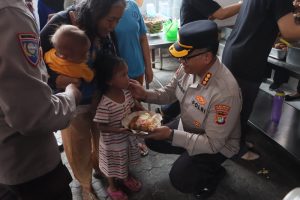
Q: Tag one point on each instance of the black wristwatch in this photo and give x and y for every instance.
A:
(171, 135)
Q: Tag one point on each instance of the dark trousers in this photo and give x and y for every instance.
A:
(250, 90)
(171, 111)
(51, 186)
(280, 76)
(190, 174)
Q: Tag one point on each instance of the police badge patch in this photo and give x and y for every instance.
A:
(222, 112)
(30, 47)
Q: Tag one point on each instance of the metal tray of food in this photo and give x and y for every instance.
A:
(278, 53)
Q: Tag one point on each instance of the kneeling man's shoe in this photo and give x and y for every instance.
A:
(212, 186)
(204, 193)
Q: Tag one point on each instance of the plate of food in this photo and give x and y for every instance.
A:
(141, 122)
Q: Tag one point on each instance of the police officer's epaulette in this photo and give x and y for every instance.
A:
(206, 78)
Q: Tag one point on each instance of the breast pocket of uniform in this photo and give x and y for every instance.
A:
(199, 106)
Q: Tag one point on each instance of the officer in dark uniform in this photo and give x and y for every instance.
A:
(209, 128)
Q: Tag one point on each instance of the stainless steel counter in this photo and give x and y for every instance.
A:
(286, 133)
(293, 70)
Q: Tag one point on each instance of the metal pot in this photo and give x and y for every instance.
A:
(293, 54)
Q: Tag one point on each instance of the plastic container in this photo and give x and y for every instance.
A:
(170, 28)
(277, 106)
(293, 54)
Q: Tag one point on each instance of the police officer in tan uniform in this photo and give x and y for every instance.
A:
(30, 162)
(209, 128)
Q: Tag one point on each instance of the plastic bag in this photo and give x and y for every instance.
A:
(170, 28)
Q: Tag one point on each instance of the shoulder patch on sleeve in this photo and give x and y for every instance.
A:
(222, 112)
(29, 44)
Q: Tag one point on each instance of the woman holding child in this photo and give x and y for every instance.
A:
(98, 19)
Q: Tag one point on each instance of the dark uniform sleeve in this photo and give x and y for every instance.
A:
(46, 33)
(26, 101)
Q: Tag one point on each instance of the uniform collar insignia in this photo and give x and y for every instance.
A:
(29, 43)
(212, 71)
(206, 78)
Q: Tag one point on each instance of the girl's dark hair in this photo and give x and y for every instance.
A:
(90, 11)
(106, 66)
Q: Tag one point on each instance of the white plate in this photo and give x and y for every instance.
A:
(125, 122)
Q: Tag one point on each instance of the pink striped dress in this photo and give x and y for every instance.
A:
(116, 150)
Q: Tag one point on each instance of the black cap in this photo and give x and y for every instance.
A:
(195, 35)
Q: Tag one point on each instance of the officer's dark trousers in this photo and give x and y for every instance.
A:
(171, 111)
(190, 174)
(51, 186)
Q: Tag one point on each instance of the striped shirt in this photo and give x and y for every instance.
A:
(116, 150)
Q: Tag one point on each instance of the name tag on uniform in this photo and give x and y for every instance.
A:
(199, 102)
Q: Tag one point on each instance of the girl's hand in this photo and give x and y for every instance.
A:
(137, 90)
(161, 133)
(62, 81)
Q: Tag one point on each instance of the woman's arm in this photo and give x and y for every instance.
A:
(226, 12)
(147, 59)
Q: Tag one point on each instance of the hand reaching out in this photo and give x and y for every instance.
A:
(161, 133)
(137, 90)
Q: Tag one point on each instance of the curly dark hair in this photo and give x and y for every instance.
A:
(106, 66)
(90, 11)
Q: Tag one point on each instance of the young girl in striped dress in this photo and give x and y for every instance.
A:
(117, 147)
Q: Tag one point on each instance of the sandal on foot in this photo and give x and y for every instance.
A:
(144, 152)
(117, 195)
(143, 149)
(132, 184)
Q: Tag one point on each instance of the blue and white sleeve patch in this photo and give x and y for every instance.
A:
(29, 43)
